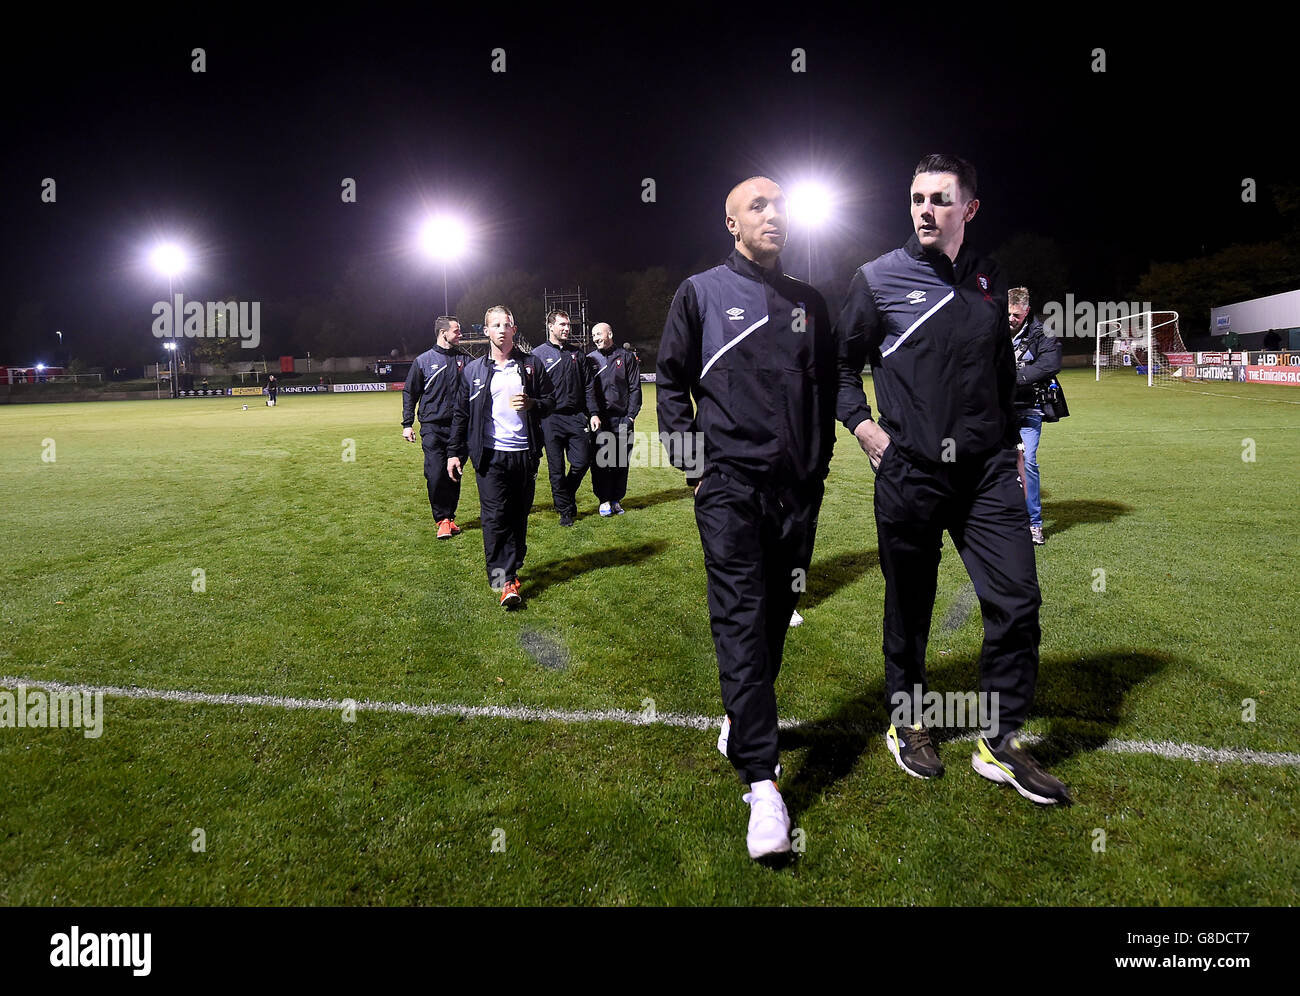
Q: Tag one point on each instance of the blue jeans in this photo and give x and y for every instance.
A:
(1031, 428)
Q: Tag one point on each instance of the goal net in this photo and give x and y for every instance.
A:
(1144, 344)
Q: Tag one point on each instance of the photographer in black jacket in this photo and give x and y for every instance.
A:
(931, 319)
(1038, 361)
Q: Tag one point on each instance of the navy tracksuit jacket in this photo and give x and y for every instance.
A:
(431, 385)
(566, 428)
(936, 335)
(616, 392)
(755, 352)
(506, 480)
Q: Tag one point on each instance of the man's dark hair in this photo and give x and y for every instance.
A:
(936, 162)
(443, 322)
(551, 316)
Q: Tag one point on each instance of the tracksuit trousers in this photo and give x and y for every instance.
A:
(444, 493)
(613, 455)
(758, 544)
(507, 480)
(981, 505)
(566, 436)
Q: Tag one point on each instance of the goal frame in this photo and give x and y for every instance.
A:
(1172, 319)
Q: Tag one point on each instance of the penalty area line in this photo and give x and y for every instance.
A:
(628, 717)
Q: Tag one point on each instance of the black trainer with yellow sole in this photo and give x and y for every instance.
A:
(1012, 765)
(913, 751)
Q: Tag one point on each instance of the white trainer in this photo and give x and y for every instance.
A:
(605, 509)
(769, 822)
(795, 618)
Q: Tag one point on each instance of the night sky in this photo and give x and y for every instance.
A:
(244, 162)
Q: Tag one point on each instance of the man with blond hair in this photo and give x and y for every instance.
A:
(501, 399)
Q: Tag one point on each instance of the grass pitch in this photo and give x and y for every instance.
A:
(323, 580)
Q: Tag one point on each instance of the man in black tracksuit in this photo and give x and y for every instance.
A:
(931, 318)
(616, 379)
(755, 349)
(431, 383)
(501, 399)
(567, 426)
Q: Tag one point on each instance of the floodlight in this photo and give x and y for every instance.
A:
(442, 237)
(169, 259)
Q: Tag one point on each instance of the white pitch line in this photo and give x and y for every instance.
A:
(1164, 748)
(1196, 428)
(1235, 397)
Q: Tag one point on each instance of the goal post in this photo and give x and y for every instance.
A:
(1140, 343)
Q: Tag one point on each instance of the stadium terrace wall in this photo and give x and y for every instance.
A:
(302, 365)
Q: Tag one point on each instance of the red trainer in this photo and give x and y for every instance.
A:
(444, 529)
(455, 529)
(510, 595)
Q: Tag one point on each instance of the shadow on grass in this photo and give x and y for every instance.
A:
(538, 579)
(1058, 516)
(543, 511)
(826, 577)
(1080, 697)
(633, 502)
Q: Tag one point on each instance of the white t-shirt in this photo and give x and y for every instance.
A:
(507, 431)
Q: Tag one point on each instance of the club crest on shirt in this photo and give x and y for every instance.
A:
(983, 281)
(618, 362)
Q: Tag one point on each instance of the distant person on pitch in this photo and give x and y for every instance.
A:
(271, 388)
(431, 385)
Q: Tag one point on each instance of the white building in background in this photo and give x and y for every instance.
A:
(1277, 311)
